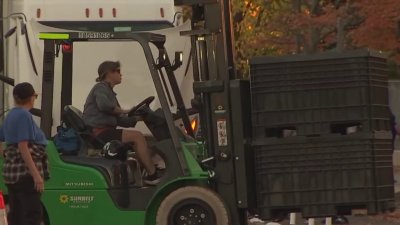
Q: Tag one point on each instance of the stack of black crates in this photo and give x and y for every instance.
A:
(322, 134)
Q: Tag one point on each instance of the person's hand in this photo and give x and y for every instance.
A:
(39, 183)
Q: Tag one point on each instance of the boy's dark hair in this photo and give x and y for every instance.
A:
(106, 67)
(23, 91)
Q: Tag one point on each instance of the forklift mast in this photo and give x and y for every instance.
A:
(215, 87)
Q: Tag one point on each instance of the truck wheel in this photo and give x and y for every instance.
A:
(192, 205)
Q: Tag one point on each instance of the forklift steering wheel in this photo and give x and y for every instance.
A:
(145, 102)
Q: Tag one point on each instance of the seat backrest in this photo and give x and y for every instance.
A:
(73, 118)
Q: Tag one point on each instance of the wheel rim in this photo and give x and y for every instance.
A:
(192, 212)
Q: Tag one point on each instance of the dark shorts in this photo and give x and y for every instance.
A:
(110, 134)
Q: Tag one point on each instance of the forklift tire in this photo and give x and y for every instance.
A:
(192, 205)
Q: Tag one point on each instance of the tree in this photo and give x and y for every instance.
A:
(251, 19)
(380, 27)
(279, 27)
(276, 27)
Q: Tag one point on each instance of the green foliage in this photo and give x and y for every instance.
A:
(250, 19)
(278, 27)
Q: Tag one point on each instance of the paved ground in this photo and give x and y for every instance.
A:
(383, 219)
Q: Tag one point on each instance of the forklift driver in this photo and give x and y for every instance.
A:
(103, 114)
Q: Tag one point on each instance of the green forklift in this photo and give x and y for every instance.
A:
(204, 182)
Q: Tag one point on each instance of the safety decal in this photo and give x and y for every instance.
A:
(222, 136)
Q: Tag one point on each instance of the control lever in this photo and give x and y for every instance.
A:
(210, 169)
(208, 159)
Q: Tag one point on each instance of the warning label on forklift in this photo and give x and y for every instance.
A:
(222, 136)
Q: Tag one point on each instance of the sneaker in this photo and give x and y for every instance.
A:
(153, 179)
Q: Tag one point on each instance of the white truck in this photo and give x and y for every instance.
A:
(22, 47)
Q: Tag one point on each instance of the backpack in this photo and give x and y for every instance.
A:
(67, 140)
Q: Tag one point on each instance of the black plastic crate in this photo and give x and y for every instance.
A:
(356, 60)
(324, 176)
(322, 121)
(313, 93)
(268, 96)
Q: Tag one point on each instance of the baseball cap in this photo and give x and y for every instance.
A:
(107, 66)
(23, 91)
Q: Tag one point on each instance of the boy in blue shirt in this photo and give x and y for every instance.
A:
(25, 160)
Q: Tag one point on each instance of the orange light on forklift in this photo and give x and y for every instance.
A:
(193, 123)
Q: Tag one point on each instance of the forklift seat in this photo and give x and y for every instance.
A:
(73, 119)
